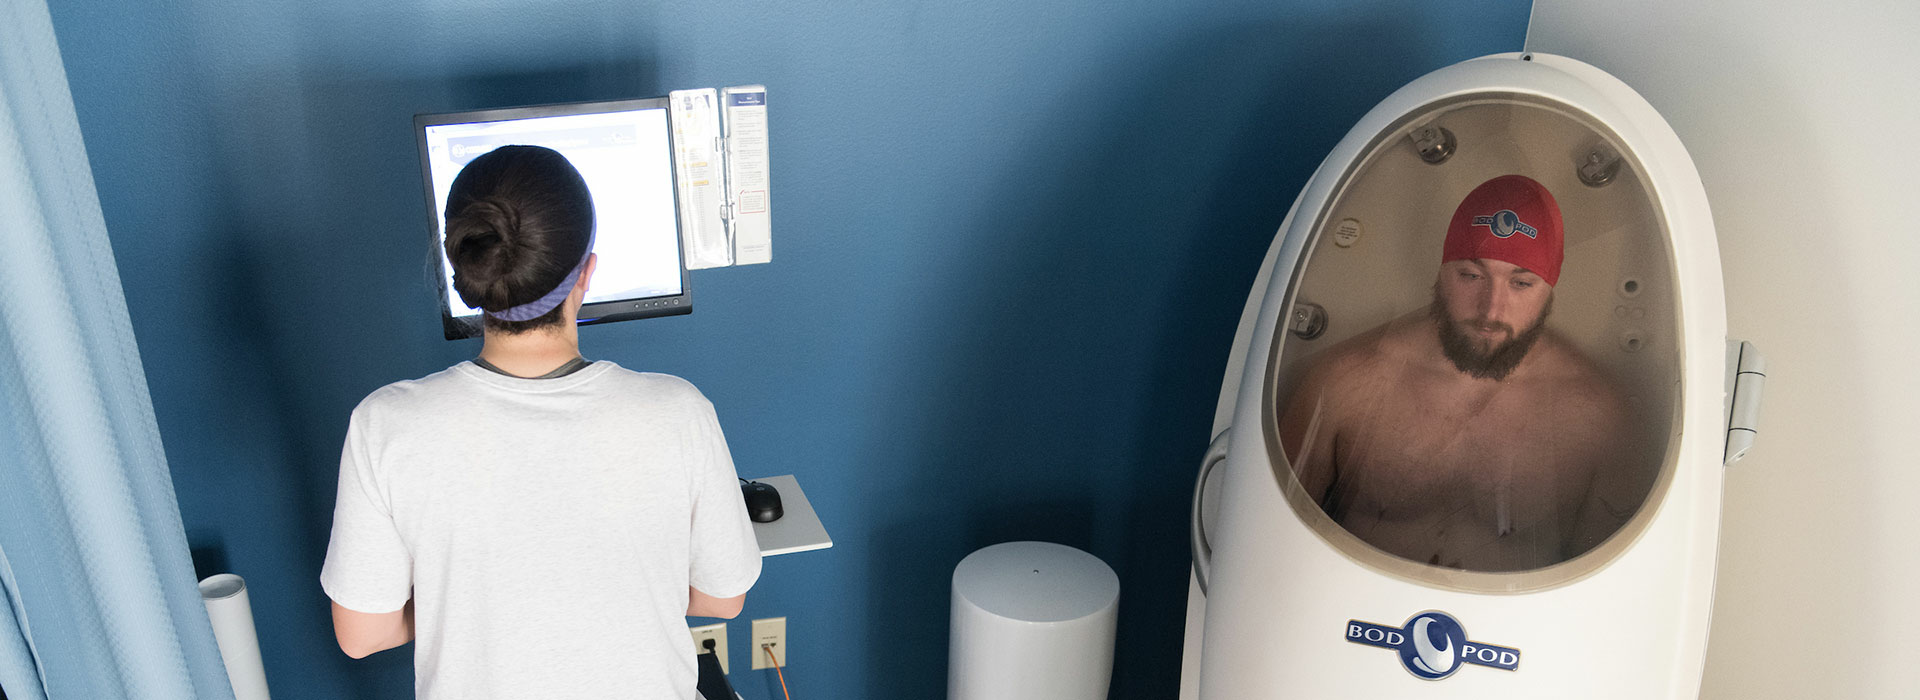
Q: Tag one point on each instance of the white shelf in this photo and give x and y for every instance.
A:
(798, 529)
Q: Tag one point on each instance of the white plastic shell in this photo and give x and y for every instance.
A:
(1272, 621)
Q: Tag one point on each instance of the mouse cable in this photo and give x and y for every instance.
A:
(776, 670)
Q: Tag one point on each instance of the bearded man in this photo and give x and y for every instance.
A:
(1471, 436)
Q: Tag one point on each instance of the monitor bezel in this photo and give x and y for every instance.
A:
(457, 327)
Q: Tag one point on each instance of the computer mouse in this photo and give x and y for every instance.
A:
(763, 502)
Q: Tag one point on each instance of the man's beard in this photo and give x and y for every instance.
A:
(1492, 363)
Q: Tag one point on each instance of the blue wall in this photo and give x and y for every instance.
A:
(1012, 242)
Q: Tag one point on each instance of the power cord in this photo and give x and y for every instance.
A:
(713, 677)
(776, 669)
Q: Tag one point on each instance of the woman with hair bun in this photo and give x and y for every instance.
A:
(538, 524)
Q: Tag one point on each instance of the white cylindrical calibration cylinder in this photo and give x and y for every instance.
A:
(232, 616)
(1032, 621)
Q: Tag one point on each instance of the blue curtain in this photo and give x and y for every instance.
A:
(97, 594)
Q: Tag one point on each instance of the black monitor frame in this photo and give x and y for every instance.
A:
(460, 327)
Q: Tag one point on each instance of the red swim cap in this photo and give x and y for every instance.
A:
(1510, 218)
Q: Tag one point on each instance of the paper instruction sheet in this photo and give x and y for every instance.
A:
(747, 173)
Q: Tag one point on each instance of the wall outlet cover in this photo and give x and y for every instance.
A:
(716, 632)
(772, 632)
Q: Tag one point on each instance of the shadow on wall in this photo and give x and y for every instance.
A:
(209, 553)
(324, 195)
(1104, 291)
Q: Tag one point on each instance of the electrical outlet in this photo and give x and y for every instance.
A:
(771, 632)
(716, 632)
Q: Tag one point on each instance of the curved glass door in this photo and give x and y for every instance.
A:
(1478, 382)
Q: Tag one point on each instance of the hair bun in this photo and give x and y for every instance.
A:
(482, 244)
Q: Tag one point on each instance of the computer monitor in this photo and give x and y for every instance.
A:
(624, 150)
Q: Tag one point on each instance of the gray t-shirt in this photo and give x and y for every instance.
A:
(547, 530)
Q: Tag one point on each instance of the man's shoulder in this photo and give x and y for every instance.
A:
(1392, 344)
(1573, 382)
(1564, 365)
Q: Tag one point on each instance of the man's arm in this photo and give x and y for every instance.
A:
(1306, 434)
(1623, 467)
(703, 605)
(362, 634)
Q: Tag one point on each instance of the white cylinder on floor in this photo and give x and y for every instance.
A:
(232, 617)
(1032, 620)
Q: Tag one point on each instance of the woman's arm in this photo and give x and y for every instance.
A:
(703, 605)
(361, 634)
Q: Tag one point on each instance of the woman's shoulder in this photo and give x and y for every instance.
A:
(407, 392)
(652, 384)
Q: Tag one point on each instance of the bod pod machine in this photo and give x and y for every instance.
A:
(1471, 435)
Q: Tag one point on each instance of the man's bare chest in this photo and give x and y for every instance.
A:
(1409, 454)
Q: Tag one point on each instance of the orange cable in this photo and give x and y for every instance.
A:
(776, 670)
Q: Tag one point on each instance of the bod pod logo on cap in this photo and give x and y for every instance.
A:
(1512, 219)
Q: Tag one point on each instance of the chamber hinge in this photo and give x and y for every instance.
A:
(1746, 383)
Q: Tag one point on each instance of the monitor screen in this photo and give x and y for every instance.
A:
(624, 150)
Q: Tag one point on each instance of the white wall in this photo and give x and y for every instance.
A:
(1803, 118)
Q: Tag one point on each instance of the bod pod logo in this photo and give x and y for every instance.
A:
(1432, 645)
(1505, 223)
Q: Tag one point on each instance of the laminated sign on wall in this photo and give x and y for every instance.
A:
(721, 163)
